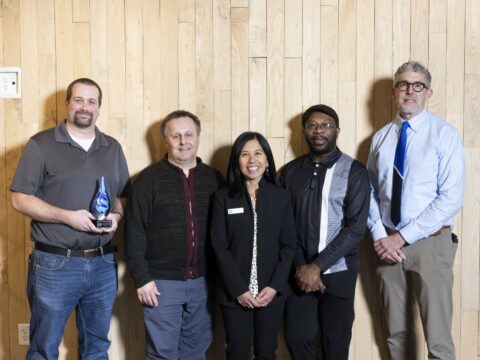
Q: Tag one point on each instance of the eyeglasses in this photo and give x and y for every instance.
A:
(416, 86)
(321, 126)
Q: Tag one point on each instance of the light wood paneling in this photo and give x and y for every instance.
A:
(311, 52)
(204, 73)
(99, 52)
(186, 66)
(239, 3)
(346, 111)
(471, 223)
(221, 44)
(293, 108)
(455, 78)
(186, 11)
(472, 110)
(116, 58)
(469, 344)
(365, 63)
(347, 27)
(152, 111)
(420, 28)
(29, 52)
(381, 104)
(81, 10)
(168, 65)
(134, 86)
(63, 51)
(329, 55)
(438, 51)
(4, 291)
(240, 65)
(45, 98)
(293, 28)
(401, 18)
(257, 27)
(240, 75)
(258, 95)
(222, 124)
(81, 53)
(275, 67)
(472, 37)
(16, 312)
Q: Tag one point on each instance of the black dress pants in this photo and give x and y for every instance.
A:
(306, 314)
(263, 324)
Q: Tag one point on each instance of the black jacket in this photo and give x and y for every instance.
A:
(232, 240)
(305, 179)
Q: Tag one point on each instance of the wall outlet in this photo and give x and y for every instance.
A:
(10, 82)
(23, 334)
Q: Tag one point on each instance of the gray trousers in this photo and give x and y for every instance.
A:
(426, 276)
(180, 327)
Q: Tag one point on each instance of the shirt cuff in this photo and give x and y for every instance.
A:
(378, 231)
(410, 235)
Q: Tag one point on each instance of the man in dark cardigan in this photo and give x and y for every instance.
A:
(166, 241)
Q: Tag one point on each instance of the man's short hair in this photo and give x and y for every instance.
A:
(416, 67)
(178, 114)
(321, 109)
(84, 81)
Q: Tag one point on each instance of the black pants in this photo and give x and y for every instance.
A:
(306, 313)
(261, 323)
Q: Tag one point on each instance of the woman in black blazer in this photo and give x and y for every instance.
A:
(253, 236)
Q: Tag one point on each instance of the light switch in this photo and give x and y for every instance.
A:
(10, 82)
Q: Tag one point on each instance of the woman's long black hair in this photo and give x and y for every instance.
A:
(235, 179)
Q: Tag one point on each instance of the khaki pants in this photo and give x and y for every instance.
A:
(427, 277)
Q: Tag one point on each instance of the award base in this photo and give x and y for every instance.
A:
(102, 223)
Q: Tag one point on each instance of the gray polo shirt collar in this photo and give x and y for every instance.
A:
(62, 136)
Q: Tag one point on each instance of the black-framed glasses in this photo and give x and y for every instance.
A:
(416, 86)
(320, 126)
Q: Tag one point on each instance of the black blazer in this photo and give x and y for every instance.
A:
(232, 240)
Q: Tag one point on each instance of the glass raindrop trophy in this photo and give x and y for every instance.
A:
(101, 206)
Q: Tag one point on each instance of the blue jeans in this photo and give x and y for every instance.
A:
(59, 284)
(180, 327)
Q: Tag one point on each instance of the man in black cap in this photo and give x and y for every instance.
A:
(331, 196)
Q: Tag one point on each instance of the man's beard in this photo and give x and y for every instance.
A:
(326, 149)
(82, 123)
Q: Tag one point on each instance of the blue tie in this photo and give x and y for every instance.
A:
(395, 212)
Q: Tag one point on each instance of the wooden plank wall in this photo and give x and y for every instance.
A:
(239, 65)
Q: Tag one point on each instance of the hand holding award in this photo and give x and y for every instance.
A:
(101, 206)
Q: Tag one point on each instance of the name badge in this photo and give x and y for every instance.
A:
(235, 211)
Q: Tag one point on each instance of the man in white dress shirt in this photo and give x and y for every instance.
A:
(414, 241)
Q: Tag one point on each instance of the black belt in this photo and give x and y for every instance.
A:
(83, 253)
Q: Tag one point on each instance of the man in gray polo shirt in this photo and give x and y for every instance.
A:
(72, 265)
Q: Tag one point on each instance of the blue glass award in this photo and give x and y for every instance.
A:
(101, 206)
